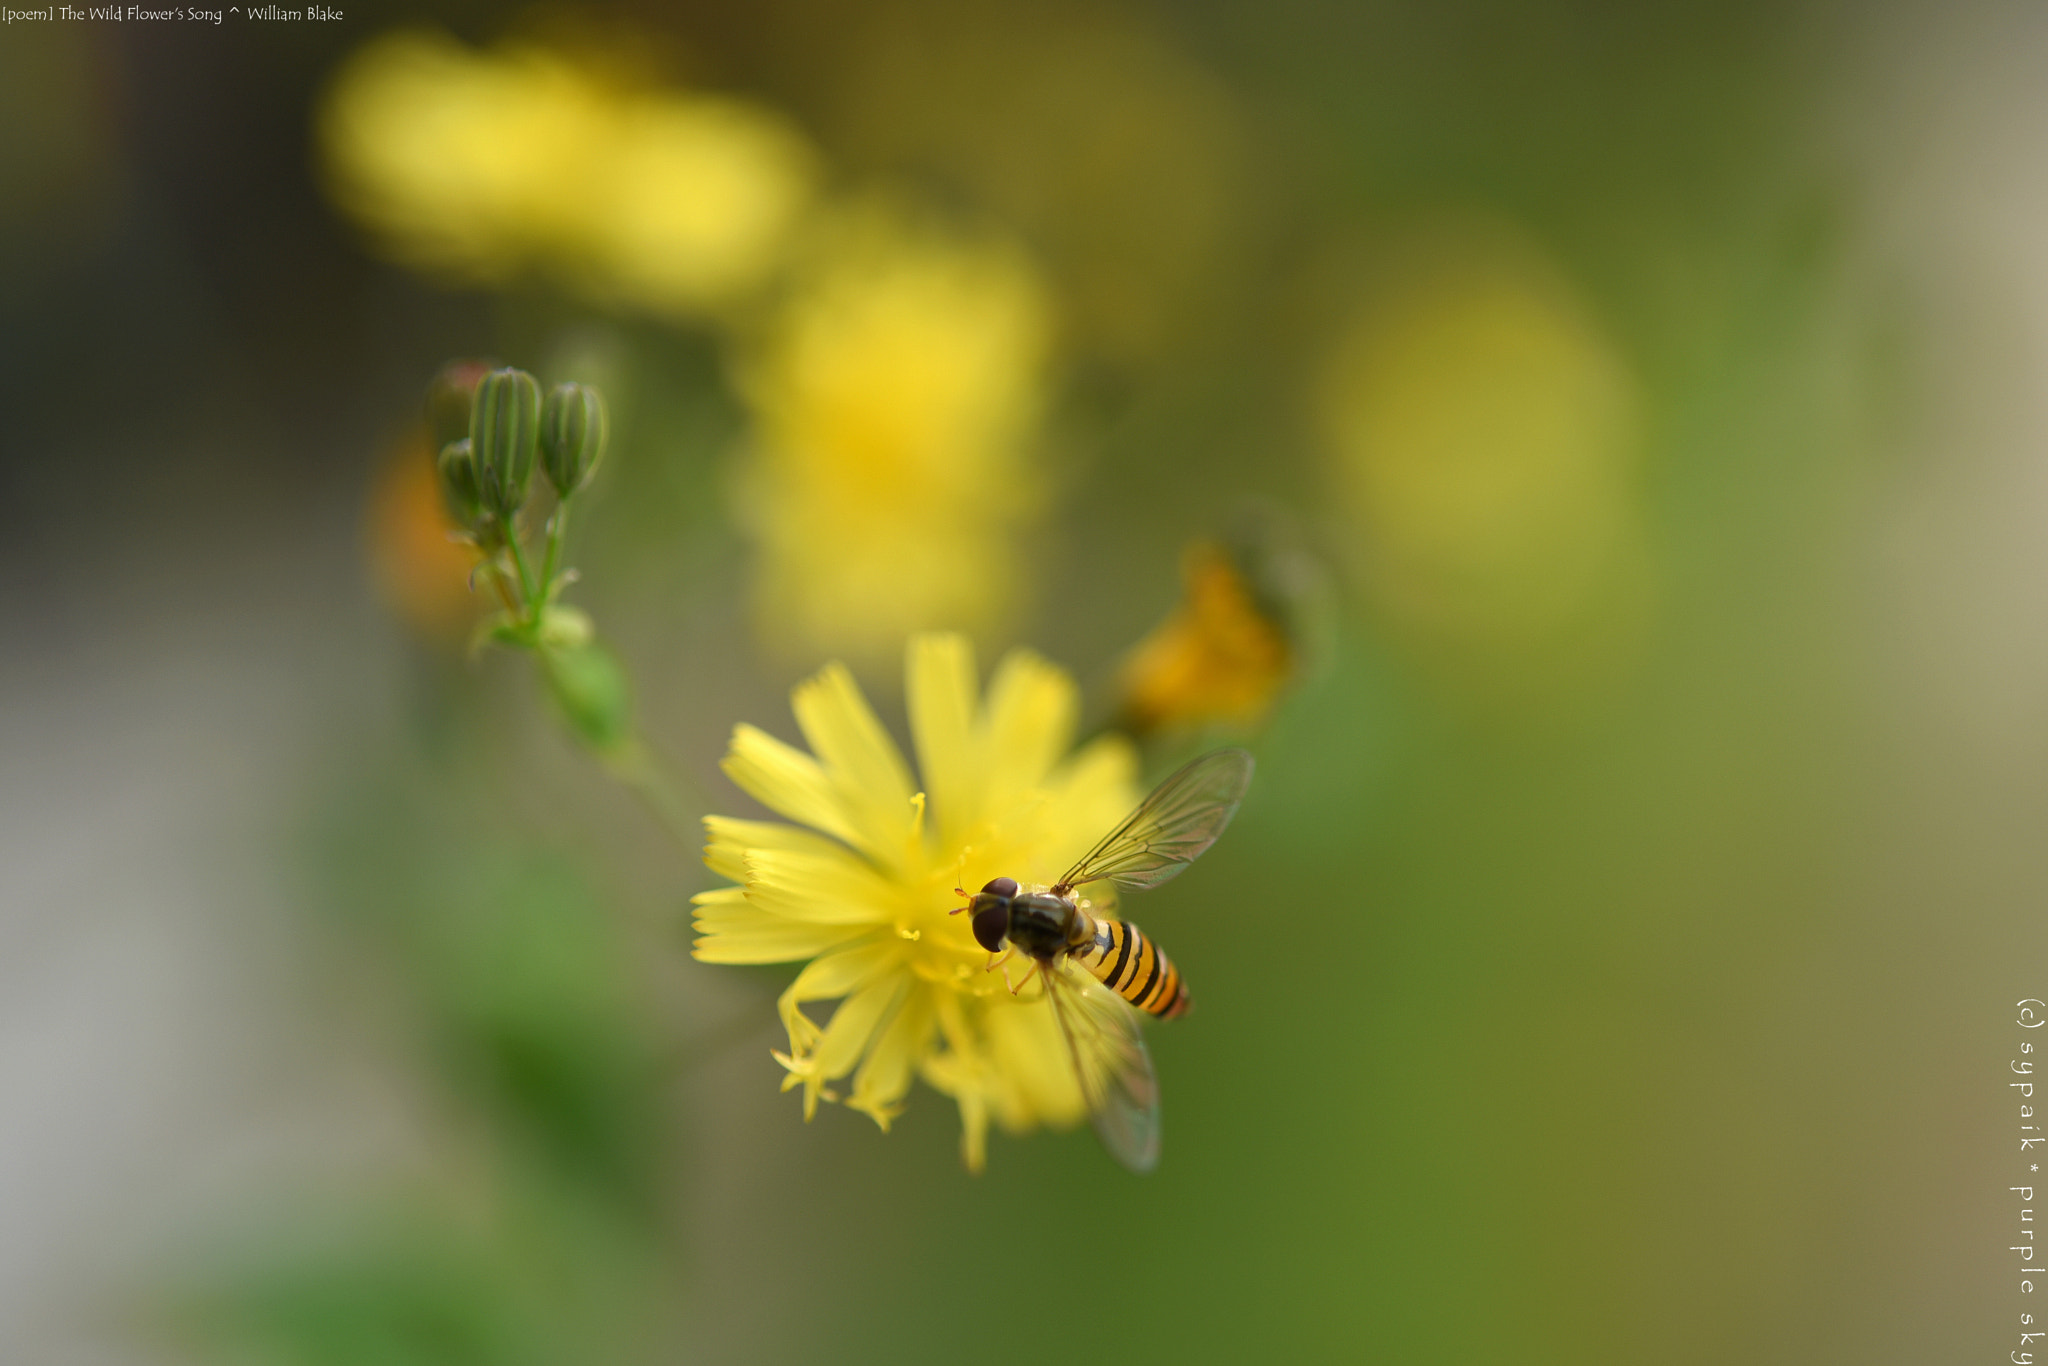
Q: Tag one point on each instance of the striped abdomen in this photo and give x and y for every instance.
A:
(1132, 966)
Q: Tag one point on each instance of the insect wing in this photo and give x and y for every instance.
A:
(1110, 1060)
(1172, 827)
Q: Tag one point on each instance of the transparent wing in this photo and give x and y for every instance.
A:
(1110, 1060)
(1172, 827)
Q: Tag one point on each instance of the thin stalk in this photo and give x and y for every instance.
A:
(557, 528)
(532, 614)
(633, 765)
(488, 567)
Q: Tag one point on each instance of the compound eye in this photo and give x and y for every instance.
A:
(1004, 887)
(991, 923)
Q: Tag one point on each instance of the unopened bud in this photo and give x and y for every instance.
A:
(504, 431)
(457, 469)
(572, 436)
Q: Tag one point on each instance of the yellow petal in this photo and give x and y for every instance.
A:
(855, 1022)
(962, 1043)
(1032, 707)
(832, 975)
(884, 1076)
(940, 691)
(1025, 1044)
(735, 932)
(861, 762)
(835, 889)
(974, 1131)
(786, 780)
(964, 1077)
(1087, 797)
(729, 839)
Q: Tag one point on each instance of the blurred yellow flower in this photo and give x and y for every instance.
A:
(865, 891)
(1092, 129)
(697, 202)
(894, 395)
(1222, 656)
(1484, 440)
(482, 165)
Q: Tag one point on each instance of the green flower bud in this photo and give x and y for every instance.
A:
(504, 430)
(572, 436)
(457, 468)
(449, 399)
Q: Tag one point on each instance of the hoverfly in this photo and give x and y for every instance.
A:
(1123, 968)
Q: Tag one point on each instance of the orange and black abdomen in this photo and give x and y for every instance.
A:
(1132, 966)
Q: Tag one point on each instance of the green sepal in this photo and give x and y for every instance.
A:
(499, 628)
(560, 581)
(504, 432)
(573, 430)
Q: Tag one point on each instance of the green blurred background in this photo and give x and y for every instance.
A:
(1615, 959)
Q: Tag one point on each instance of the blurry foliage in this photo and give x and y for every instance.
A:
(523, 981)
(532, 1281)
(536, 1013)
(540, 1231)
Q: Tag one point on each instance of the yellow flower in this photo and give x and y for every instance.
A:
(1484, 438)
(864, 891)
(894, 396)
(483, 165)
(697, 201)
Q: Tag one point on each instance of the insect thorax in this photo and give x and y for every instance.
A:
(1042, 925)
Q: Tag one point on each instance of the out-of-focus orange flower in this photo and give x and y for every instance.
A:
(420, 566)
(1220, 657)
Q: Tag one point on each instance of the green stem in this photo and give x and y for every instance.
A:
(557, 525)
(531, 617)
(632, 765)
